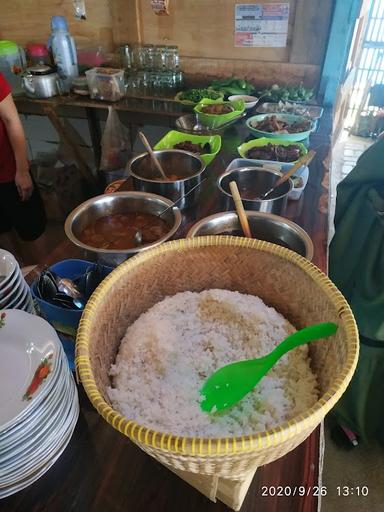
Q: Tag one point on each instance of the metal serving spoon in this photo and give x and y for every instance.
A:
(138, 238)
(305, 160)
(232, 382)
(68, 287)
(206, 130)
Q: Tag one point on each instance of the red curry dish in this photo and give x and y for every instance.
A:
(117, 231)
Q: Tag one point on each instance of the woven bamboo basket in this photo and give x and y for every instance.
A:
(220, 468)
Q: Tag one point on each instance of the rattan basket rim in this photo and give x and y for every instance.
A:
(205, 447)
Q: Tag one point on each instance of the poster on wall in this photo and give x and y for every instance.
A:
(261, 25)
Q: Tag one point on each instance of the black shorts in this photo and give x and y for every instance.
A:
(26, 218)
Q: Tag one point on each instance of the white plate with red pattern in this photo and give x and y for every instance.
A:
(29, 350)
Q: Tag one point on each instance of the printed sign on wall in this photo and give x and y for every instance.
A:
(261, 25)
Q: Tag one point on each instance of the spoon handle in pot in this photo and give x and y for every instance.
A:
(181, 198)
(305, 160)
(240, 209)
(148, 147)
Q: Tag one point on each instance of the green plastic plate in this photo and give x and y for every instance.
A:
(174, 137)
(189, 103)
(263, 141)
(215, 120)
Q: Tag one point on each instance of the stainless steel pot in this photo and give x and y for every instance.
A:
(254, 181)
(264, 226)
(188, 167)
(119, 202)
(41, 81)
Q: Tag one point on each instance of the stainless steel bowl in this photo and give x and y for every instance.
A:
(190, 123)
(255, 181)
(188, 167)
(264, 226)
(119, 202)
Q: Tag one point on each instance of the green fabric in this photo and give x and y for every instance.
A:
(361, 408)
(356, 266)
(356, 256)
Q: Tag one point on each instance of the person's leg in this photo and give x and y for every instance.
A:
(28, 220)
(8, 239)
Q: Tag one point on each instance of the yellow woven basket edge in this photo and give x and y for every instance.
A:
(215, 446)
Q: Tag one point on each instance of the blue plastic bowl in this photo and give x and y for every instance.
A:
(64, 320)
(288, 118)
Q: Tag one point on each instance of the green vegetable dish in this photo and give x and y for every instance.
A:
(287, 93)
(231, 86)
(196, 95)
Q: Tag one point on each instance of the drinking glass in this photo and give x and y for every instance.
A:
(172, 58)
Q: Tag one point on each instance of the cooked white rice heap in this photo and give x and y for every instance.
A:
(169, 351)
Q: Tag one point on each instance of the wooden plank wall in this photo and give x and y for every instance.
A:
(203, 30)
(25, 21)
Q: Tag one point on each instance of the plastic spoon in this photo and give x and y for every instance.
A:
(232, 382)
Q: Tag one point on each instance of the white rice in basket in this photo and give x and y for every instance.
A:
(169, 351)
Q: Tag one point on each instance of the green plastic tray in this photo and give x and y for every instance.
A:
(263, 141)
(215, 120)
(174, 137)
(192, 103)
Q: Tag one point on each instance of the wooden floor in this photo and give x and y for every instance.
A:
(53, 236)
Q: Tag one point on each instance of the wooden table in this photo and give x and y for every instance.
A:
(102, 471)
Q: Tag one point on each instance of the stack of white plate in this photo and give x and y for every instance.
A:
(14, 291)
(39, 404)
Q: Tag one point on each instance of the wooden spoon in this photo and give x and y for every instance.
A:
(240, 209)
(147, 145)
(305, 160)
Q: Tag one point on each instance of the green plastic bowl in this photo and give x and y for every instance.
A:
(174, 137)
(193, 104)
(264, 141)
(215, 120)
(288, 118)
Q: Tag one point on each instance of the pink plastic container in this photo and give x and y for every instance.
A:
(38, 54)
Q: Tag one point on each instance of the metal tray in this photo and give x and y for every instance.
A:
(312, 111)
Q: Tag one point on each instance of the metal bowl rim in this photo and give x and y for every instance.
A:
(260, 169)
(71, 236)
(194, 155)
(209, 131)
(251, 213)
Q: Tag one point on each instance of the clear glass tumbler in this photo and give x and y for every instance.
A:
(172, 58)
(148, 56)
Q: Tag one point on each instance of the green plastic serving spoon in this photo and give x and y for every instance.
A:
(232, 382)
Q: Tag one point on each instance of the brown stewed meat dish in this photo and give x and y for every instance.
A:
(217, 109)
(272, 124)
(187, 145)
(275, 152)
(117, 231)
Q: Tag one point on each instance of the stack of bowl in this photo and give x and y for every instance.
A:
(39, 404)
(14, 291)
